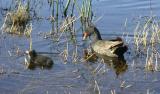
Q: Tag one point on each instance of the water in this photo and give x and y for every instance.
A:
(79, 78)
(116, 13)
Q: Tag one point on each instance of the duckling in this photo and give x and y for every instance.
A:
(36, 59)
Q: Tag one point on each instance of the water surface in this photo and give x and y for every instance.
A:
(79, 78)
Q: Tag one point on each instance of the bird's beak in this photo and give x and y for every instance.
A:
(85, 35)
(26, 52)
(28, 55)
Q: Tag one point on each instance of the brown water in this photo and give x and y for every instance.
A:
(128, 77)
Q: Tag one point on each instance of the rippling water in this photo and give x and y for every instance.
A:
(115, 13)
(78, 78)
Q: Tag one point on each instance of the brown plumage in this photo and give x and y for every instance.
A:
(111, 48)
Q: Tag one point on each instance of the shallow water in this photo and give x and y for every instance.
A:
(81, 77)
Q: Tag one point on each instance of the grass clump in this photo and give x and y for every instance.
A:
(147, 40)
(17, 21)
(147, 34)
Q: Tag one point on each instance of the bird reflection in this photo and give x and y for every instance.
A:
(118, 64)
(89, 56)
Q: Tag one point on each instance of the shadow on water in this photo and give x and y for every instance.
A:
(118, 64)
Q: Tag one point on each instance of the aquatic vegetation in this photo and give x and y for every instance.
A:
(89, 56)
(146, 41)
(86, 12)
(58, 26)
(17, 21)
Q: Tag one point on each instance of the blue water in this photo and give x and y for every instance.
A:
(112, 18)
(114, 14)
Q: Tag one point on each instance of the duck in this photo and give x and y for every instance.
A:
(111, 48)
(36, 59)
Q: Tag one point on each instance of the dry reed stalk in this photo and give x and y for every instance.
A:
(16, 21)
(96, 88)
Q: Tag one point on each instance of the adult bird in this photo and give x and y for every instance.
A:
(111, 48)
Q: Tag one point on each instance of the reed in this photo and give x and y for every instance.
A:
(66, 8)
(64, 19)
(96, 88)
(113, 91)
(144, 33)
(146, 40)
(57, 14)
(86, 12)
(65, 23)
(17, 21)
